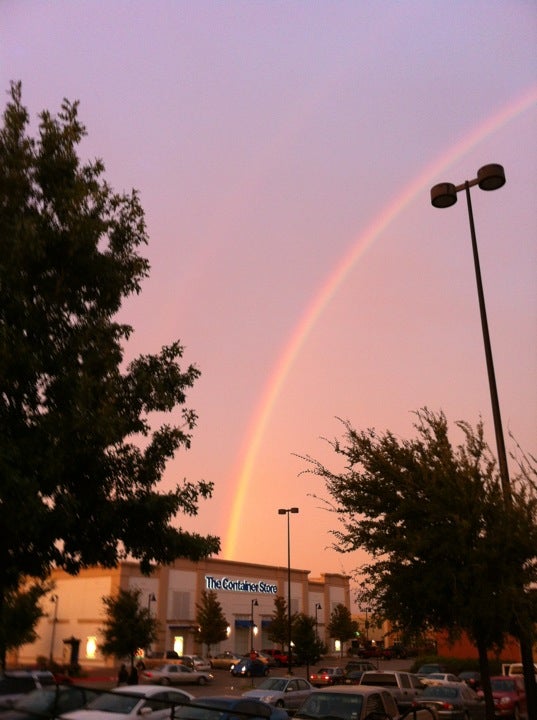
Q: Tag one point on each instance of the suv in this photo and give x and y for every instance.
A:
(19, 682)
(280, 657)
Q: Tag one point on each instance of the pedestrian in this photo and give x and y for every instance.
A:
(133, 676)
(123, 675)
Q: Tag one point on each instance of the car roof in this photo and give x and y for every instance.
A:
(350, 690)
(144, 690)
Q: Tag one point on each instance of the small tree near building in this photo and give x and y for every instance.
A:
(128, 626)
(213, 625)
(308, 648)
(22, 611)
(279, 624)
(341, 625)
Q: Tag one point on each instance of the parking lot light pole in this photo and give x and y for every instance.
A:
(317, 608)
(444, 195)
(254, 604)
(288, 511)
(53, 599)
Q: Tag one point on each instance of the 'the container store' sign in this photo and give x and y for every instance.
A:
(225, 583)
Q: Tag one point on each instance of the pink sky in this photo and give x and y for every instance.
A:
(284, 153)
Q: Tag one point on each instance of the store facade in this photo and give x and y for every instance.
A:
(74, 611)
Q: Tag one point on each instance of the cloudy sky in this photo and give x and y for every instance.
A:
(284, 153)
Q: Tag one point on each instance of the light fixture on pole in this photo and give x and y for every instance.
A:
(288, 511)
(151, 598)
(444, 195)
(53, 599)
(317, 608)
(254, 604)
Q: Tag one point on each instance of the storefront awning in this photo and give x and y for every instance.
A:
(243, 623)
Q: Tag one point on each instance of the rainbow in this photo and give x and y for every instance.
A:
(330, 286)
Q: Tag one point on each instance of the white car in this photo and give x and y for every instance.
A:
(130, 701)
(172, 674)
(439, 678)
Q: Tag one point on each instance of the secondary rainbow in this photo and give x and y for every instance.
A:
(338, 275)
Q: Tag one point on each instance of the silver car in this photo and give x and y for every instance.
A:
(284, 692)
(173, 674)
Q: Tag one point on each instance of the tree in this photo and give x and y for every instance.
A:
(341, 626)
(279, 624)
(308, 648)
(213, 626)
(81, 453)
(22, 611)
(448, 553)
(128, 626)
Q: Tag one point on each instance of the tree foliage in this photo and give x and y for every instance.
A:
(341, 626)
(213, 625)
(279, 623)
(22, 611)
(128, 626)
(81, 454)
(448, 552)
(308, 648)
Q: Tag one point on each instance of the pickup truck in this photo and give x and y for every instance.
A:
(354, 702)
(404, 686)
(514, 669)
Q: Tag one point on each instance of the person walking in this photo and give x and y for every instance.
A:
(123, 675)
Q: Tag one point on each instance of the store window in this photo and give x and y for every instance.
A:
(179, 644)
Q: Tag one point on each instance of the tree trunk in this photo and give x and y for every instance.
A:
(485, 678)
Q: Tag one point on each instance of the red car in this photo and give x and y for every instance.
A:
(509, 696)
(279, 656)
(327, 676)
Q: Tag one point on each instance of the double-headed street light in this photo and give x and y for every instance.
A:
(444, 195)
(288, 511)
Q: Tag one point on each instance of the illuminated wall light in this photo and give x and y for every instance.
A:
(91, 647)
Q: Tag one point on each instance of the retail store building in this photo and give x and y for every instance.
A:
(75, 610)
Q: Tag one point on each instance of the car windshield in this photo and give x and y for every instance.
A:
(121, 703)
(320, 705)
(38, 701)
(204, 711)
(502, 685)
(272, 684)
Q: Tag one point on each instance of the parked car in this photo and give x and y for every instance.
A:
(266, 658)
(195, 662)
(175, 675)
(404, 686)
(362, 665)
(472, 678)
(452, 701)
(49, 702)
(285, 692)
(131, 701)
(17, 683)
(225, 660)
(431, 668)
(230, 707)
(346, 702)
(509, 696)
(437, 678)
(280, 657)
(327, 676)
(250, 668)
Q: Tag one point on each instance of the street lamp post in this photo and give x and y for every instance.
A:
(444, 195)
(489, 177)
(54, 599)
(288, 511)
(317, 608)
(254, 604)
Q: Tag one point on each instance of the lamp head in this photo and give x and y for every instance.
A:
(491, 177)
(443, 195)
